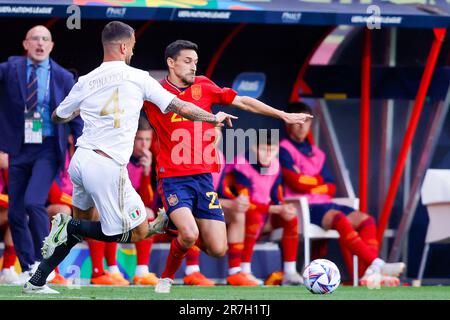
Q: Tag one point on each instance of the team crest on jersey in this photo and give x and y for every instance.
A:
(196, 91)
(172, 200)
(135, 214)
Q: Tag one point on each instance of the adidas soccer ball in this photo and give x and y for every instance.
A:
(321, 276)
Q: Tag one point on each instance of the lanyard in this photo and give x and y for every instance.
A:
(47, 91)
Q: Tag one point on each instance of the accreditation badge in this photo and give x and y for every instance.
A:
(33, 127)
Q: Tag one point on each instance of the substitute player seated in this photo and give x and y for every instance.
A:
(305, 174)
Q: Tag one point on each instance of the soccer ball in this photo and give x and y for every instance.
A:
(321, 276)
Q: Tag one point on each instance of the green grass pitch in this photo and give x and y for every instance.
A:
(180, 292)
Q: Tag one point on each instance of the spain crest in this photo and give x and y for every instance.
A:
(172, 199)
(196, 91)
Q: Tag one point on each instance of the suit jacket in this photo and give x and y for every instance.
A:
(13, 82)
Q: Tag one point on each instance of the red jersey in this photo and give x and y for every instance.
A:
(186, 147)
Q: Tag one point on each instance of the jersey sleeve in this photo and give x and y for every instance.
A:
(71, 102)
(155, 93)
(221, 95)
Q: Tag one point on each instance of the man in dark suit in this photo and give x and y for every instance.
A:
(31, 87)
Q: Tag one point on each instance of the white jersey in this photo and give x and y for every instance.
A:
(110, 99)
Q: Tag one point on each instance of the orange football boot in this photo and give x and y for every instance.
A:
(148, 279)
(120, 280)
(241, 279)
(274, 279)
(60, 280)
(198, 279)
(104, 279)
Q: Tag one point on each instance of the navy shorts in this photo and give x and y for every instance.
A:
(195, 192)
(318, 210)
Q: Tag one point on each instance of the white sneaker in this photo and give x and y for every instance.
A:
(393, 269)
(164, 285)
(292, 279)
(57, 236)
(376, 280)
(252, 277)
(32, 289)
(9, 276)
(158, 225)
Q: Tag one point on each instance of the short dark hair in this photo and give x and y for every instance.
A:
(143, 123)
(173, 49)
(116, 30)
(299, 107)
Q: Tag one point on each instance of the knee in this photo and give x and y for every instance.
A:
(217, 250)
(331, 218)
(189, 235)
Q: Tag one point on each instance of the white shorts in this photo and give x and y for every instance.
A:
(102, 182)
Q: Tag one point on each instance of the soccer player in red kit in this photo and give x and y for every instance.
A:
(187, 157)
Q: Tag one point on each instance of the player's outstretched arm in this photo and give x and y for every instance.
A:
(192, 112)
(69, 108)
(256, 106)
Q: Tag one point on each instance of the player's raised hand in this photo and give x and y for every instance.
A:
(293, 118)
(222, 116)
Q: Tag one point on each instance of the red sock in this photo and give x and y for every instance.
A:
(143, 249)
(289, 241)
(199, 244)
(193, 256)
(97, 251)
(350, 239)
(254, 222)
(111, 253)
(9, 257)
(176, 255)
(235, 254)
(368, 232)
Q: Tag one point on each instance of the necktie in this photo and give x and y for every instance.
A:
(32, 87)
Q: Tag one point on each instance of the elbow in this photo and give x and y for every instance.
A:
(54, 117)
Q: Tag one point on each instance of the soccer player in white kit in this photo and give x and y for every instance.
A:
(109, 100)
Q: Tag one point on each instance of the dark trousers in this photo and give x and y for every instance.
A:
(31, 174)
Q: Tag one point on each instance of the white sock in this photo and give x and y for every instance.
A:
(191, 269)
(290, 267)
(246, 267)
(141, 270)
(113, 269)
(234, 270)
